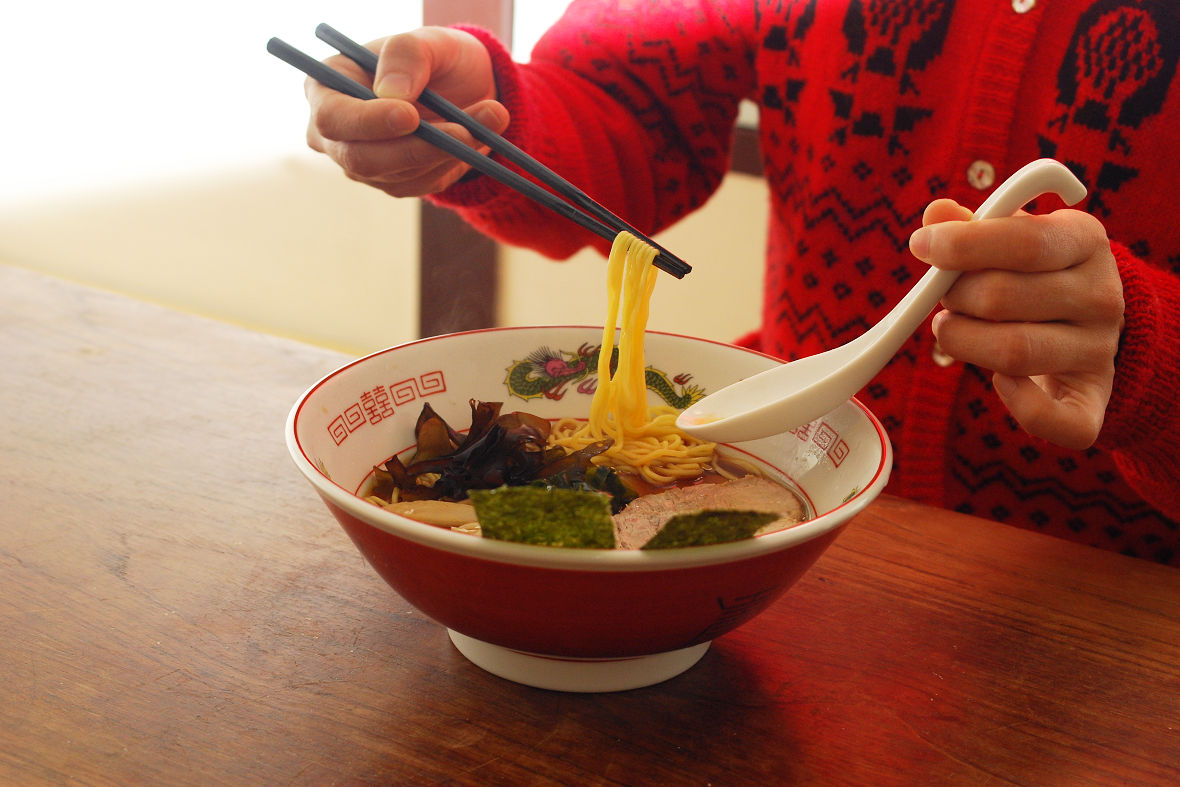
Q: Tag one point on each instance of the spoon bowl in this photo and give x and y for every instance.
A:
(796, 393)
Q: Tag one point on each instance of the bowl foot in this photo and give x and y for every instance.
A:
(561, 673)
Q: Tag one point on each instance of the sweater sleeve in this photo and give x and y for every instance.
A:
(1142, 427)
(633, 103)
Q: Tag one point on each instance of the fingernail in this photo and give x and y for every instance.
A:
(920, 242)
(394, 85)
(1003, 384)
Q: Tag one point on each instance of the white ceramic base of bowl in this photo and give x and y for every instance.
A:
(560, 673)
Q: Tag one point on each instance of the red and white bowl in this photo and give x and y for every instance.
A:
(571, 619)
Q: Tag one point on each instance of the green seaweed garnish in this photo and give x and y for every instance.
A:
(710, 526)
(545, 515)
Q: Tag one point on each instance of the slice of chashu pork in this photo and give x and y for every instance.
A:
(644, 516)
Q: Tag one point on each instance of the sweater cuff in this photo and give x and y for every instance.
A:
(1141, 417)
(751, 341)
(480, 189)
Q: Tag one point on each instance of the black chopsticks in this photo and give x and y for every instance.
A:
(600, 221)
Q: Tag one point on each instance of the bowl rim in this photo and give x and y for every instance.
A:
(561, 557)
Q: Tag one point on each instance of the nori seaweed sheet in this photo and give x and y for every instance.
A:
(545, 515)
(710, 526)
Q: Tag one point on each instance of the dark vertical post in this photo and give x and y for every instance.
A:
(457, 265)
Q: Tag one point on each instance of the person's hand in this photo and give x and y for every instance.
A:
(372, 140)
(1040, 303)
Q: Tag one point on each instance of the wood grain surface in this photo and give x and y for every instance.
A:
(177, 607)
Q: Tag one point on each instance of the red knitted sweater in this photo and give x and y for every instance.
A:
(870, 109)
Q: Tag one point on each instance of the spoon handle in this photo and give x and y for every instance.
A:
(1043, 176)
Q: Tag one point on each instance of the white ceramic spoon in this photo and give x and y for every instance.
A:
(797, 393)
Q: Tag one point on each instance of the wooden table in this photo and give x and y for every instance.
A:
(177, 607)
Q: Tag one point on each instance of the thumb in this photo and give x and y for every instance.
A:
(944, 209)
(455, 61)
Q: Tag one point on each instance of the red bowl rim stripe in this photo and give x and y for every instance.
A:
(574, 559)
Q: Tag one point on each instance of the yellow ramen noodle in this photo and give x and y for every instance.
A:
(644, 439)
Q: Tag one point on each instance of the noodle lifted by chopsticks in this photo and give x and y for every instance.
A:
(644, 439)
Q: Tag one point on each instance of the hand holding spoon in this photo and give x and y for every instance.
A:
(797, 393)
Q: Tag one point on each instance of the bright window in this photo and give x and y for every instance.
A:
(126, 90)
(531, 18)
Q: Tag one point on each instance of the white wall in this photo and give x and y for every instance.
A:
(160, 151)
(291, 247)
(288, 246)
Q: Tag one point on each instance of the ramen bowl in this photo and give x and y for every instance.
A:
(561, 618)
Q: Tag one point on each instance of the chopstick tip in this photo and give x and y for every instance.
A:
(671, 264)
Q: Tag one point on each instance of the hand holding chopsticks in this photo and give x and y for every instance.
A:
(579, 208)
